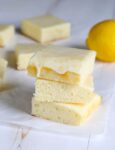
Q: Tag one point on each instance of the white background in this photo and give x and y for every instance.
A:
(82, 14)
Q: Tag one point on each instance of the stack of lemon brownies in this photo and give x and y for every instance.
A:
(64, 90)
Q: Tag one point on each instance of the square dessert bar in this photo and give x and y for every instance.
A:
(6, 34)
(51, 91)
(62, 64)
(72, 114)
(45, 29)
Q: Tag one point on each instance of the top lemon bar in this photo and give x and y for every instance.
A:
(68, 65)
(45, 29)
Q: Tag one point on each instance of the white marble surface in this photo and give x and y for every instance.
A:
(82, 14)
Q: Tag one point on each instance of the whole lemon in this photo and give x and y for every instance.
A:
(101, 38)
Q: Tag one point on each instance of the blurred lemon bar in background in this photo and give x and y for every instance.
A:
(3, 66)
(6, 34)
(24, 52)
(46, 29)
(72, 114)
(62, 64)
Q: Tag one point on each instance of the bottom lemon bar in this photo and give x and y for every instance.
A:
(72, 114)
(52, 91)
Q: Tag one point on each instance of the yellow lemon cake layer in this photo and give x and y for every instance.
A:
(6, 34)
(72, 114)
(51, 91)
(24, 52)
(70, 65)
(45, 28)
